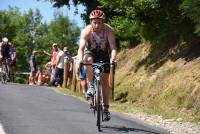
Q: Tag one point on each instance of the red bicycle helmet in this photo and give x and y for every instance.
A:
(97, 14)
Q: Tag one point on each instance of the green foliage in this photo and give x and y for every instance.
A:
(27, 32)
(191, 9)
(154, 20)
(158, 21)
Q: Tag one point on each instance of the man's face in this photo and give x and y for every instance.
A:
(55, 47)
(97, 24)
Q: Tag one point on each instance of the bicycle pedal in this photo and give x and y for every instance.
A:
(91, 107)
(106, 118)
(87, 98)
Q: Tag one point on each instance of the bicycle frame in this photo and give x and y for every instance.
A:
(4, 71)
(97, 105)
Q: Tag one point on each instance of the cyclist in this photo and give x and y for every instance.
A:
(97, 38)
(5, 48)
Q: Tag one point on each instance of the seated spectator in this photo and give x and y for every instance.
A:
(41, 77)
(48, 68)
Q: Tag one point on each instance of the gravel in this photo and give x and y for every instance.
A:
(173, 126)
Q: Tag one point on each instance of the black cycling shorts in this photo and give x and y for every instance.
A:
(100, 56)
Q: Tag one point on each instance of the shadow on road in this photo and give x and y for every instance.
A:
(122, 129)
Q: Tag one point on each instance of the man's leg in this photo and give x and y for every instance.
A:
(84, 85)
(88, 69)
(60, 75)
(31, 79)
(106, 88)
(89, 74)
(34, 77)
(54, 77)
(106, 95)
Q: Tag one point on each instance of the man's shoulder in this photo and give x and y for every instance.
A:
(108, 27)
(87, 29)
(61, 53)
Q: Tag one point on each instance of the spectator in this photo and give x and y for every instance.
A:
(70, 62)
(48, 68)
(81, 75)
(83, 82)
(39, 77)
(59, 68)
(48, 72)
(12, 63)
(53, 55)
(33, 68)
(47, 77)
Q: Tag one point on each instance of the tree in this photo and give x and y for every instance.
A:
(191, 9)
(28, 32)
(158, 21)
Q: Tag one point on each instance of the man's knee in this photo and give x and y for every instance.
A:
(88, 59)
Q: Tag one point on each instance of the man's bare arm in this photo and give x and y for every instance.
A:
(82, 44)
(47, 53)
(58, 60)
(112, 43)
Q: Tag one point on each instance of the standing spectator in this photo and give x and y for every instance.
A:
(83, 82)
(59, 68)
(53, 55)
(81, 75)
(33, 68)
(70, 62)
(12, 63)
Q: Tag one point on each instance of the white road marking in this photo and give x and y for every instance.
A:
(1, 129)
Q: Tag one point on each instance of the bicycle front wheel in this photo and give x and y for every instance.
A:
(4, 74)
(98, 104)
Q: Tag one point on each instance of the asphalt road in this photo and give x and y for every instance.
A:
(28, 109)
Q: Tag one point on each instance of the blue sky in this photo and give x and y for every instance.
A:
(45, 8)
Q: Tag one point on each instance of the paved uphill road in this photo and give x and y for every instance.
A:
(28, 109)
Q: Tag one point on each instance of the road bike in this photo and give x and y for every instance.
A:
(97, 100)
(4, 72)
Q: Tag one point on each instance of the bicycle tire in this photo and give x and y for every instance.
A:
(98, 104)
(12, 77)
(4, 75)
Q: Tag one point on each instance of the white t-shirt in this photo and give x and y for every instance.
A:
(61, 61)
